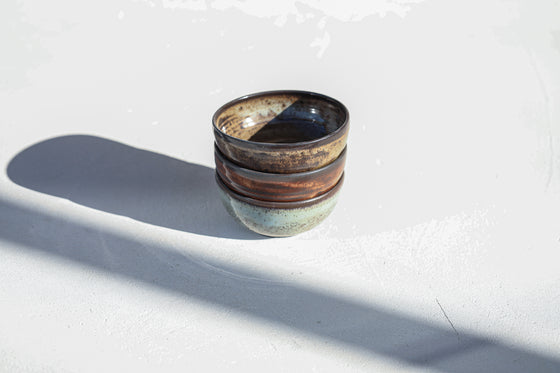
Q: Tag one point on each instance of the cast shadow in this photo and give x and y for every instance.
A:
(110, 176)
(248, 291)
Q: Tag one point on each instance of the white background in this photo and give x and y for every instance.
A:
(442, 254)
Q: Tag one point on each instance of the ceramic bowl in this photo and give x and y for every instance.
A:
(278, 219)
(279, 187)
(282, 131)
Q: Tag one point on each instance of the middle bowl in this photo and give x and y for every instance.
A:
(276, 187)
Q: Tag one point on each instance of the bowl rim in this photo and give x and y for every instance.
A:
(342, 128)
(263, 174)
(280, 205)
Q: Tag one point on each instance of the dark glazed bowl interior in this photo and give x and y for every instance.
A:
(281, 117)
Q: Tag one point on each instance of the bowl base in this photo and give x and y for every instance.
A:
(278, 222)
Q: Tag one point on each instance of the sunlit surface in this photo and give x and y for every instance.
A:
(441, 254)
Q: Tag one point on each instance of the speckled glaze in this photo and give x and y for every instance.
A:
(237, 122)
(279, 187)
(279, 219)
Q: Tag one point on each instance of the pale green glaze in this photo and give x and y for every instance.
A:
(278, 222)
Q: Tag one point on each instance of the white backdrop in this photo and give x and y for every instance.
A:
(441, 255)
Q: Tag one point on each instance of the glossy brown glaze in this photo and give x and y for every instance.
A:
(281, 205)
(279, 187)
(282, 131)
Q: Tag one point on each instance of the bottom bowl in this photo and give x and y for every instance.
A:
(279, 219)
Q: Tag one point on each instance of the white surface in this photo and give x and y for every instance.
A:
(442, 254)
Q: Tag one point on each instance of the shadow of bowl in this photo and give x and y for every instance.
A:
(113, 177)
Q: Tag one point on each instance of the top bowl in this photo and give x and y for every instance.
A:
(282, 131)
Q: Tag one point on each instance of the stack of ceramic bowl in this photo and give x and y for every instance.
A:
(280, 159)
